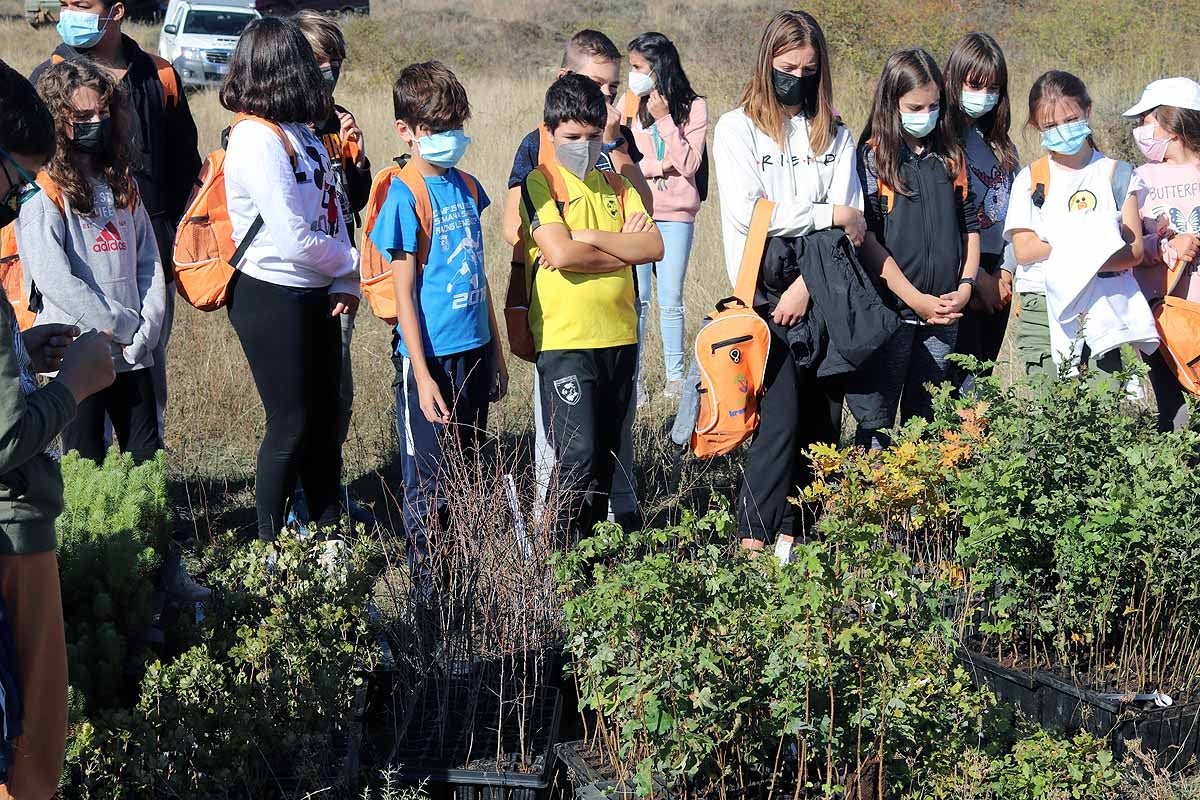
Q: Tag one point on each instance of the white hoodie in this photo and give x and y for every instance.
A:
(750, 164)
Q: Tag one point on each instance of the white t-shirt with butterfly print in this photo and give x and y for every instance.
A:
(1071, 190)
(1170, 193)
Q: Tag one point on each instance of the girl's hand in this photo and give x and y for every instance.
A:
(668, 169)
(1005, 284)
(656, 104)
(929, 309)
(793, 305)
(852, 221)
(342, 303)
(956, 301)
(432, 404)
(1187, 247)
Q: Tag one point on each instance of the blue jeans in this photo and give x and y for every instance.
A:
(671, 271)
(895, 375)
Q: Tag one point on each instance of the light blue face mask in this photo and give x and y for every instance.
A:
(919, 124)
(976, 104)
(81, 30)
(444, 149)
(1066, 139)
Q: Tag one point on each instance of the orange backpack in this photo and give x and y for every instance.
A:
(205, 254)
(166, 77)
(12, 275)
(376, 267)
(1178, 323)
(732, 349)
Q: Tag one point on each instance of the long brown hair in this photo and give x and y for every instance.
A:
(905, 71)
(115, 166)
(978, 59)
(787, 31)
(1056, 85)
(1183, 122)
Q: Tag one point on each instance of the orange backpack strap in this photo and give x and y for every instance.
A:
(168, 79)
(1039, 180)
(545, 146)
(415, 182)
(631, 106)
(278, 131)
(961, 183)
(51, 190)
(756, 245)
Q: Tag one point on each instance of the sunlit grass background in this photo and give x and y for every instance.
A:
(506, 53)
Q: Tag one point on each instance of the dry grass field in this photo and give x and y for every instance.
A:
(506, 52)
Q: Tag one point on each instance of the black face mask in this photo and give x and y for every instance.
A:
(93, 137)
(331, 74)
(797, 90)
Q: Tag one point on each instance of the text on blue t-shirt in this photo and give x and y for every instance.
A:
(451, 287)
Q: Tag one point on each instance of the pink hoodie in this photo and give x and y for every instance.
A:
(1172, 192)
(676, 198)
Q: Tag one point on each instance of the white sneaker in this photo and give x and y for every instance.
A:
(182, 586)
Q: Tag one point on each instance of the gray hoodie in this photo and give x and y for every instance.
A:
(99, 270)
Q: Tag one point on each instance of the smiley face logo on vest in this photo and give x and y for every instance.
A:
(1083, 200)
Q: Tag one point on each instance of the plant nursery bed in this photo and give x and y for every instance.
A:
(1172, 733)
(486, 747)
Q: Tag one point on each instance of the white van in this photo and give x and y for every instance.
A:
(199, 37)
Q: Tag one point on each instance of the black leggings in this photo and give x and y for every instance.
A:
(129, 403)
(295, 354)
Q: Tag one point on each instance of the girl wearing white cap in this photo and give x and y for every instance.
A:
(1169, 137)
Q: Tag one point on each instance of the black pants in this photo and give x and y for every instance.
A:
(295, 354)
(796, 410)
(129, 402)
(980, 334)
(1168, 394)
(585, 395)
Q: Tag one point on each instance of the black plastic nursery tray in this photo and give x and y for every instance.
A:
(470, 738)
(589, 783)
(1171, 733)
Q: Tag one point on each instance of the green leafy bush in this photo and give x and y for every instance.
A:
(263, 695)
(1082, 525)
(110, 540)
(719, 671)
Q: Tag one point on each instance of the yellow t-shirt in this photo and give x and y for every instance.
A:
(574, 310)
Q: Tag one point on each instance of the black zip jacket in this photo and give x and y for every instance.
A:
(925, 232)
(165, 134)
(847, 318)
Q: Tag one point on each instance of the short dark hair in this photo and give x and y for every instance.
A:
(26, 126)
(429, 94)
(575, 98)
(592, 44)
(274, 75)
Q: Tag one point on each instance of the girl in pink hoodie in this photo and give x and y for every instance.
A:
(669, 129)
(1169, 137)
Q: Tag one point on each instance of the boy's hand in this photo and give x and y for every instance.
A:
(637, 222)
(612, 126)
(47, 344)
(351, 133)
(342, 303)
(500, 380)
(432, 404)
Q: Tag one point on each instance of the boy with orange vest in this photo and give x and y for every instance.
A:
(449, 358)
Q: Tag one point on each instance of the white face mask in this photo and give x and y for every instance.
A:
(640, 83)
(578, 157)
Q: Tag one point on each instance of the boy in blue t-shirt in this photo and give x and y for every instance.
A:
(449, 359)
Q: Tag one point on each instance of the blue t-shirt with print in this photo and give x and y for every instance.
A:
(452, 285)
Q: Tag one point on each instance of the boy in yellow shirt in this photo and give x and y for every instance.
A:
(583, 230)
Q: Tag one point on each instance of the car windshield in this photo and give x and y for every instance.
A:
(217, 23)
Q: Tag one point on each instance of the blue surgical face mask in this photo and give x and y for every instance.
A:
(1068, 138)
(444, 149)
(81, 30)
(919, 124)
(976, 104)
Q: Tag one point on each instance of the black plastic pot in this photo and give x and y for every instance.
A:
(587, 781)
(487, 754)
(1057, 704)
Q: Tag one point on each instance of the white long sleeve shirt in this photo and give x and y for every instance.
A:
(303, 242)
(750, 164)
